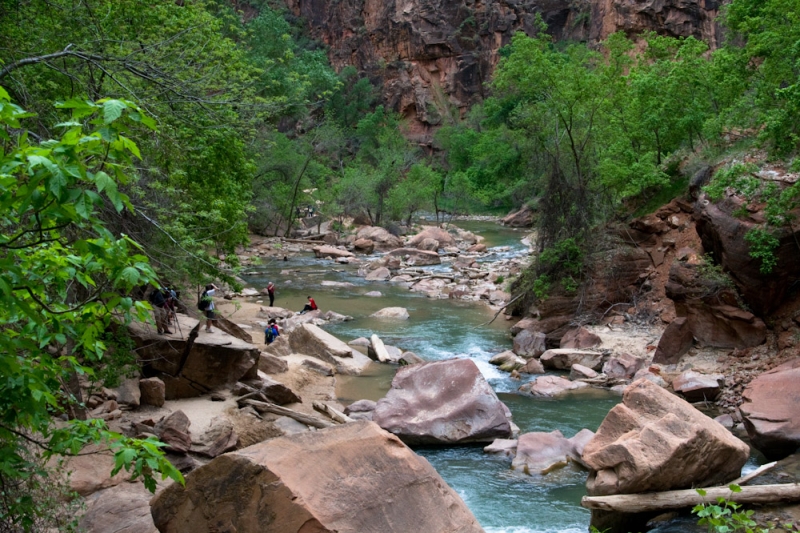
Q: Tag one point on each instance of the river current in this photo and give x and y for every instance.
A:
(503, 500)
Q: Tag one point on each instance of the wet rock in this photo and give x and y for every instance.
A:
(152, 392)
(414, 257)
(442, 402)
(507, 361)
(477, 248)
(528, 343)
(364, 246)
(771, 410)
(307, 495)
(579, 339)
(563, 359)
(579, 442)
(173, 430)
(541, 453)
(581, 372)
(622, 366)
(696, 387)
(380, 274)
(397, 313)
(655, 441)
(431, 233)
(410, 358)
(360, 410)
(675, 342)
(373, 294)
(271, 364)
(383, 239)
(341, 284)
(532, 366)
(331, 251)
(502, 447)
(551, 387)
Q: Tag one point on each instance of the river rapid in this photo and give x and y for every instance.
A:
(503, 500)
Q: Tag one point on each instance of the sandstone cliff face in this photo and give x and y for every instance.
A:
(432, 57)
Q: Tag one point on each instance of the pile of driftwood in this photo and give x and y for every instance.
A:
(678, 499)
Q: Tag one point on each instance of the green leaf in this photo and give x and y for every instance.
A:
(130, 276)
(112, 110)
(735, 488)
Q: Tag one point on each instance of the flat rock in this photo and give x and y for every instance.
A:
(379, 274)
(502, 447)
(331, 251)
(622, 366)
(124, 508)
(308, 339)
(395, 313)
(581, 372)
(696, 387)
(431, 233)
(325, 480)
(579, 338)
(552, 386)
(414, 257)
(442, 402)
(382, 239)
(272, 364)
(771, 410)
(655, 441)
(360, 410)
(564, 358)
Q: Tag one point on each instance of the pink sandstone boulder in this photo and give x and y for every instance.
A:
(353, 478)
(622, 366)
(655, 441)
(528, 343)
(697, 387)
(771, 410)
(579, 338)
(442, 402)
(552, 386)
(431, 233)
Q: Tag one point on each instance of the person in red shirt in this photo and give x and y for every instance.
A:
(271, 293)
(310, 306)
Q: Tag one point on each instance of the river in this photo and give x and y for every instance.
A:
(503, 501)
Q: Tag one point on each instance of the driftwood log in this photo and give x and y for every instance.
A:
(264, 407)
(333, 414)
(677, 499)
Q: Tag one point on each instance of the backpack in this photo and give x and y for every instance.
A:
(269, 334)
(202, 303)
(157, 298)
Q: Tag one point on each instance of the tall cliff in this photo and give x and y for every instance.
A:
(432, 57)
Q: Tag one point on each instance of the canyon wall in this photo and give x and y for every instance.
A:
(432, 57)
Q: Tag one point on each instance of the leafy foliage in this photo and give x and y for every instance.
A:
(725, 516)
(64, 280)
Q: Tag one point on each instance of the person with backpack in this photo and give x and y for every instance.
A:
(271, 332)
(159, 303)
(206, 304)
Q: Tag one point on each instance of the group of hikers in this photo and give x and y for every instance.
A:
(165, 302)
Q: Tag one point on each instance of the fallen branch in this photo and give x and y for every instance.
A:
(263, 407)
(501, 309)
(755, 473)
(677, 499)
(336, 416)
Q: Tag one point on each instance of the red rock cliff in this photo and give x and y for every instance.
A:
(432, 57)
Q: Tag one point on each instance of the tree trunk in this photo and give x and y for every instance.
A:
(677, 499)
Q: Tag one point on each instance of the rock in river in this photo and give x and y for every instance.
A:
(655, 441)
(354, 478)
(398, 313)
(443, 402)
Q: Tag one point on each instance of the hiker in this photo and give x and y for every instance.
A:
(171, 305)
(271, 332)
(159, 302)
(310, 306)
(271, 292)
(206, 304)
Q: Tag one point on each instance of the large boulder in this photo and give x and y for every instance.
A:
(397, 313)
(655, 441)
(697, 387)
(364, 246)
(383, 239)
(622, 366)
(675, 342)
(195, 365)
(541, 453)
(219, 437)
(173, 430)
(152, 392)
(771, 410)
(124, 508)
(579, 338)
(442, 402)
(528, 343)
(523, 218)
(722, 231)
(414, 257)
(321, 481)
(433, 233)
(564, 358)
(379, 274)
(308, 339)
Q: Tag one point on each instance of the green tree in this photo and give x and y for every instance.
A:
(64, 281)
